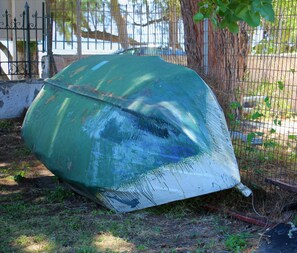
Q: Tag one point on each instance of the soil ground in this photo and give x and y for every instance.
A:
(38, 213)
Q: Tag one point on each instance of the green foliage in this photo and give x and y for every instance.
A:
(256, 115)
(59, 195)
(237, 243)
(273, 107)
(275, 104)
(235, 105)
(87, 249)
(141, 247)
(282, 32)
(19, 177)
(226, 14)
(7, 125)
(295, 220)
(292, 137)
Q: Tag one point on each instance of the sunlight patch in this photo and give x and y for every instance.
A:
(2, 165)
(36, 243)
(109, 242)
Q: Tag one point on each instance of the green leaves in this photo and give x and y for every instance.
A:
(235, 105)
(251, 136)
(272, 131)
(256, 115)
(226, 14)
(233, 27)
(198, 17)
(292, 137)
(19, 177)
(280, 85)
(277, 122)
(265, 9)
(252, 18)
(267, 102)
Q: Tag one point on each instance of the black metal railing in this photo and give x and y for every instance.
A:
(22, 39)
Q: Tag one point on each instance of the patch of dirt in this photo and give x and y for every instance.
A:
(28, 191)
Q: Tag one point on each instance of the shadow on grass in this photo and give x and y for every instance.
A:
(42, 215)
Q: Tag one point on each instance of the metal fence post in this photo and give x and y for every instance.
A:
(205, 46)
(78, 23)
(43, 27)
(28, 53)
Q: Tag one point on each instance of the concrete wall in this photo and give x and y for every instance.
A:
(16, 96)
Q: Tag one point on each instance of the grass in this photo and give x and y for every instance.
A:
(237, 243)
(7, 125)
(42, 219)
(40, 214)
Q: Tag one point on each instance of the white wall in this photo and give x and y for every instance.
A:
(15, 97)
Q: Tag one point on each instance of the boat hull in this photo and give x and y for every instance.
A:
(130, 151)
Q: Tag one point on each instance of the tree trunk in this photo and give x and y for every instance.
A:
(121, 23)
(227, 58)
(3, 76)
(193, 35)
(227, 54)
(173, 27)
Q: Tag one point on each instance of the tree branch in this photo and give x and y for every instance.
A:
(164, 18)
(3, 75)
(107, 37)
(5, 50)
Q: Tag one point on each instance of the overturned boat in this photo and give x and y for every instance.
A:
(132, 132)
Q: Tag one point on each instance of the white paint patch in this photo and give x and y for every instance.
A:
(192, 178)
(99, 65)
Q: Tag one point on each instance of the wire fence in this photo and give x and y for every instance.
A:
(266, 129)
(253, 73)
(107, 28)
(102, 27)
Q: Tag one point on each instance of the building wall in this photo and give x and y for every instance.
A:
(16, 97)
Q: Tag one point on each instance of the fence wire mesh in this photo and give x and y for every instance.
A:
(266, 130)
(149, 28)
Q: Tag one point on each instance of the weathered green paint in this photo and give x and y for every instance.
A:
(106, 122)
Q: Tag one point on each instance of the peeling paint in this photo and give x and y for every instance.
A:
(36, 91)
(52, 98)
(1, 103)
(4, 90)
